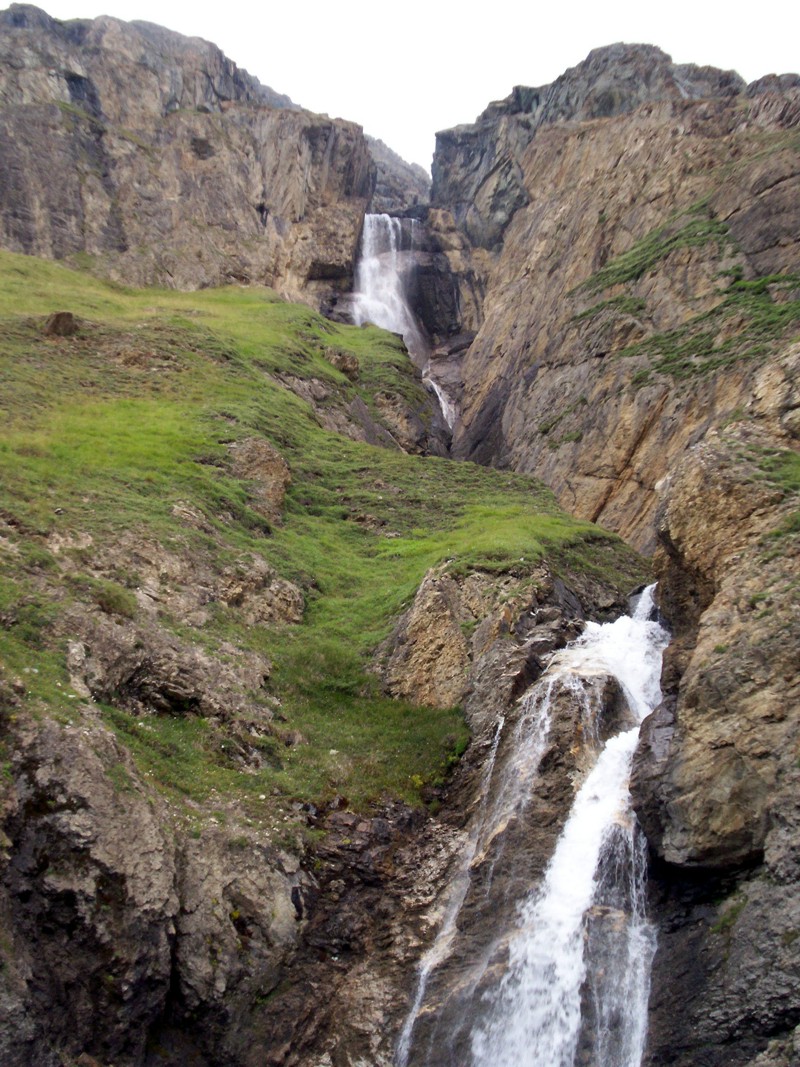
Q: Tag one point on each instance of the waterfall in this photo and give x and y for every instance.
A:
(564, 977)
(385, 269)
(381, 295)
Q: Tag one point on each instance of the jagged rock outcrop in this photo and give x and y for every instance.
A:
(175, 167)
(477, 172)
(103, 940)
(607, 234)
(400, 187)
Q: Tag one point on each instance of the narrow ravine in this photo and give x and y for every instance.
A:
(564, 975)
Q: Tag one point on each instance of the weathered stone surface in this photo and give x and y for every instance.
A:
(346, 362)
(720, 755)
(150, 132)
(715, 777)
(119, 931)
(476, 169)
(255, 460)
(90, 919)
(149, 671)
(543, 389)
(429, 662)
(60, 324)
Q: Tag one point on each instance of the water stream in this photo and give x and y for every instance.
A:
(383, 278)
(564, 976)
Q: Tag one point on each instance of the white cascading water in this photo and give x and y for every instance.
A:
(381, 297)
(577, 955)
(380, 294)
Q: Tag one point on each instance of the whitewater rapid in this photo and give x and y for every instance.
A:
(573, 964)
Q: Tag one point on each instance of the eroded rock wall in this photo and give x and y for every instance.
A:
(629, 236)
(600, 230)
(173, 166)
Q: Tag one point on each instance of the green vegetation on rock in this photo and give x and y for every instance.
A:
(689, 230)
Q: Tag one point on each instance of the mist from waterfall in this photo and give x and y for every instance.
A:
(565, 976)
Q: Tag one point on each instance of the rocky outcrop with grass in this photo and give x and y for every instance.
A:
(220, 518)
(625, 241)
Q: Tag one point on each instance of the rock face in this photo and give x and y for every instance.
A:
(97, 930)
(400, 187)
(606, 235)
(206, 943)
(624, 244)
(716, 775)
(610, 278)
(175, 167)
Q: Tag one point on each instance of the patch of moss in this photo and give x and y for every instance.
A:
(729, 916)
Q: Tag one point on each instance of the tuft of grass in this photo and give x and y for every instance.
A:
(694, 349)
(620, 305)
(693, 228)
(729, 917)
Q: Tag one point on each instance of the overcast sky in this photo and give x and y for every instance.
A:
(407, 69)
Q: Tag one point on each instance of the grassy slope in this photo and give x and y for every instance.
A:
(104, 432)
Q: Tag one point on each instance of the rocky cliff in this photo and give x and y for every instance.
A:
(624, 245)
(236, 633)
(175, 167)
(614, 238)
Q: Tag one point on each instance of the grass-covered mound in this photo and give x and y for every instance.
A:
(115, 434)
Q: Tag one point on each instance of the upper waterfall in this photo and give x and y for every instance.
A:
(384, 283)
(382, 277)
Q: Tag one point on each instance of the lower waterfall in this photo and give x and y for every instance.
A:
(383, 279)
(563, 978)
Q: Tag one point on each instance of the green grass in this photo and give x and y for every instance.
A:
(696, 349)
(105, 432)
(781, 468)
(750, 317)
(621, 305)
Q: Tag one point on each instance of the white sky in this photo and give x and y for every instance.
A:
(407, 69)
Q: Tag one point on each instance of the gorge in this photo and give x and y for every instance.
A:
(311, 690)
